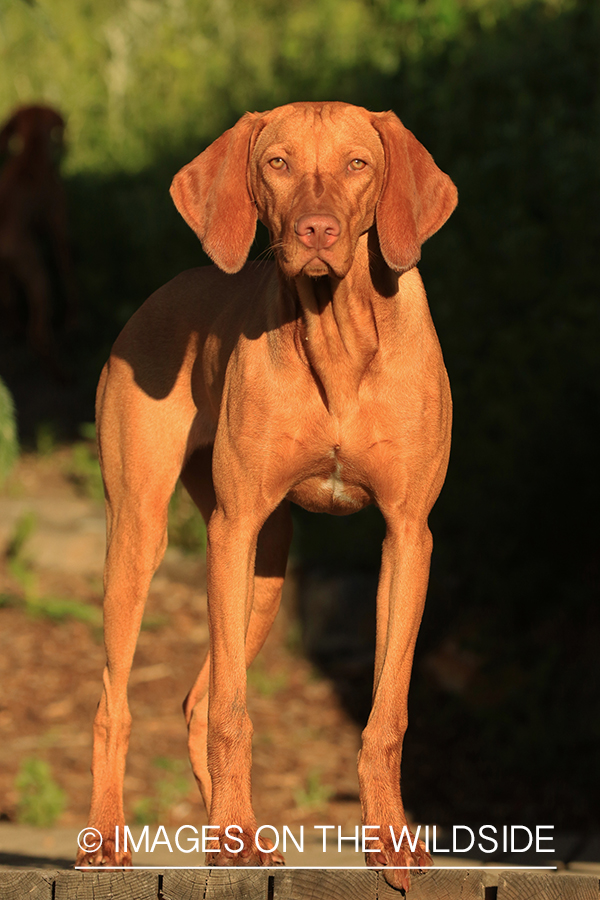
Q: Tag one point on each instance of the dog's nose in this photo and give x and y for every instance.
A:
(318, 231)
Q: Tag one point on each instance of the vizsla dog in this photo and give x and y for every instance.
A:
(33, 223)
(316, 379)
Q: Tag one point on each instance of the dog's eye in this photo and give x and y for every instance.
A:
(356, 165)
(278, 163)
(16, 144)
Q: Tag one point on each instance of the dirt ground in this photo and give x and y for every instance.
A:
(52, 656)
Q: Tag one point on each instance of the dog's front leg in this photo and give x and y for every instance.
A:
(271, 557)
(231, 556)
(400, 600)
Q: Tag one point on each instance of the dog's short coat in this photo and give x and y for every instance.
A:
(318, 379)
(33, 226)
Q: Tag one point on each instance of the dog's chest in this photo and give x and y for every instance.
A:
(330, 460)
(331, 482)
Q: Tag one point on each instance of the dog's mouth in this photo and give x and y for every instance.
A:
(316, 268)
(322, 263)
(294, 262)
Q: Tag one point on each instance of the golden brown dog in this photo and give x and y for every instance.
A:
(317, 379)
(33, 223)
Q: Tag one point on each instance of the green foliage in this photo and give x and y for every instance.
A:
(517, 283)
(59, 609)
(9, 445)
(56, 609)
(19, 564)
(87, 430)
(186, 525)
(170, 788)
(144, 811)
(83, 470)
(41, 799)
(98, 62)
(45, 438)
(266, 684)
(512, 111)
(314, 795)
(140, 78)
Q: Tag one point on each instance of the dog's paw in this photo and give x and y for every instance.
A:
(397, 865)
(269, 856)
(248, 855)
(97, 848)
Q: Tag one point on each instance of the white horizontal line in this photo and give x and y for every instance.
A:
(317, 868)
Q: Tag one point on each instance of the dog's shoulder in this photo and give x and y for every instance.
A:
(199, 301)
(205, 283)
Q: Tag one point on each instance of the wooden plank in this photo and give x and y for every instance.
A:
(325, 884)
(94, 885)
(288, 884)
(438, 884)
(34, 884)
(546, 886)
(336, 884)
(215, 884)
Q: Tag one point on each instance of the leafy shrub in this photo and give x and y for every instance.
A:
(41, 799)
(9, 445)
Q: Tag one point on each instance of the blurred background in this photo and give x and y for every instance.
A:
(505, 94)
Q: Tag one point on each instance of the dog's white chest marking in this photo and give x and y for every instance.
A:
(334, 485)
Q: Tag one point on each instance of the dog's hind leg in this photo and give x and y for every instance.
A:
(139, 479)
(197, 479)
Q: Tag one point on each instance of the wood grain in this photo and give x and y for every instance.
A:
(75, 885)
(324, 884)
(35, 884)
(288, 884)
(304, 884)
(546, 886)
(215, 884)
(439, 884)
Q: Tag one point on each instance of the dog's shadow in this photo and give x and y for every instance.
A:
(25, 861)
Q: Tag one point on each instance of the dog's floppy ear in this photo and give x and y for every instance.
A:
(416, 197)
(212, 195)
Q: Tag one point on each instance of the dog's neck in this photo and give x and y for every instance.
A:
(339, 322)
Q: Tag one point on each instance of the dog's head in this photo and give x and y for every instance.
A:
(319, 175)
(39, 127)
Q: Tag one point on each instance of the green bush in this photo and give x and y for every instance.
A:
(9, 445)
(41, 799)
(186, 525)
(172, 784)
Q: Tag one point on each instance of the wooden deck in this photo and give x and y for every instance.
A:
(291, 884)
